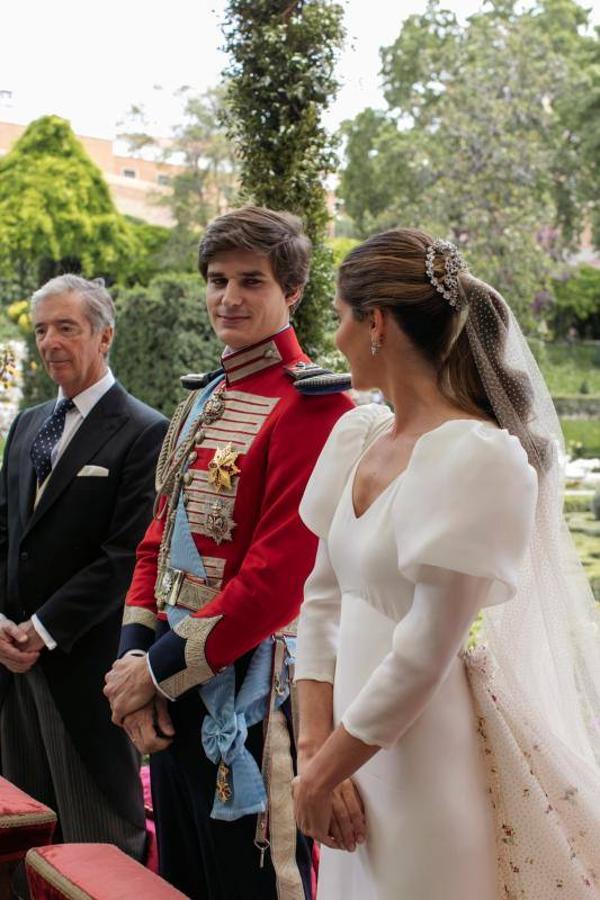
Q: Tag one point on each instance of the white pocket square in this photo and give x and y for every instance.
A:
(93, 472)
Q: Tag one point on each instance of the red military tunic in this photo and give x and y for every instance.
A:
(249, 467)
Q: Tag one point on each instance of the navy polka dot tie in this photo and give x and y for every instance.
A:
(47, 438)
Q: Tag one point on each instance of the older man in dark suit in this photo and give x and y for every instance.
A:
(76, 494)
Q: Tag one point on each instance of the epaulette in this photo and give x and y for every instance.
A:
(196, 381)
(327, 383)
(312, 380)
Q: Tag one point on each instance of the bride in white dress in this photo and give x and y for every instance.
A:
(449, 775)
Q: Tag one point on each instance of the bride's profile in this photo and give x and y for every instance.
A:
(451, 773)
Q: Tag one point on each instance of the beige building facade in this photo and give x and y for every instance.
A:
(136, 184)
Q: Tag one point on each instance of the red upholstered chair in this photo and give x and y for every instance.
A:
(92, 872)
(24, 823)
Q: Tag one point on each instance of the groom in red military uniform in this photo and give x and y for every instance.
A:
(208, 634)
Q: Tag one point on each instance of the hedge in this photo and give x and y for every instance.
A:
(163, 332)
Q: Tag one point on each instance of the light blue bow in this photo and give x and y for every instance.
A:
(225, 727)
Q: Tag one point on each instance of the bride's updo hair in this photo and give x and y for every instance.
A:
(396, 270)
(388, 271)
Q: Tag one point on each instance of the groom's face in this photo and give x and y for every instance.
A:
(245, 302)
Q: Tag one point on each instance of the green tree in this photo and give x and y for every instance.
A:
(281, 78)
(478, 124)
(577, 303)
(56, 213)
(153, 242)
(206, 180)
(162, 332)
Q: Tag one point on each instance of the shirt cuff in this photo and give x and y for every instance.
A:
(43, 633)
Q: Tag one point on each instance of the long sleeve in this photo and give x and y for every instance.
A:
(140, 613)
(425, 643)
(461, 531)
(265, 594)
(319, 622)
(4, 513)
(105, 580)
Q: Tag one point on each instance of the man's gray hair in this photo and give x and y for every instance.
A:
(99, 306)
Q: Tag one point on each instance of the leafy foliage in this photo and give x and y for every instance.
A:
(281, 77)
(37, 385)
(206, 180)
(152, 242)
(56, 213)
(577, 303)
(162, 333)
(482, 139)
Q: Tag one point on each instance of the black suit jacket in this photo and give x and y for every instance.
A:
(71, 559)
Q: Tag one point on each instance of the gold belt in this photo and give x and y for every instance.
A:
(185, 590)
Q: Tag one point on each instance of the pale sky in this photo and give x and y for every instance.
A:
(91, 62)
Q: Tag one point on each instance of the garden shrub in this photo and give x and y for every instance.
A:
(163, 332)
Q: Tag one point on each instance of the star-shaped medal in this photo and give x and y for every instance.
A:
(222, 468)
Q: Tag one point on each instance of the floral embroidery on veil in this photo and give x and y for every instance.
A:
(546, 801)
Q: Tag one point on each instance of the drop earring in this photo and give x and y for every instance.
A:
(375, 347)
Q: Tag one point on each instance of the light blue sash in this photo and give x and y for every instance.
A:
(225, 727)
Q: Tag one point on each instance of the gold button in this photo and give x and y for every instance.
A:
(187, 478)
(200, 435)
(192, 457)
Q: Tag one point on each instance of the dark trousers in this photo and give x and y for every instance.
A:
(39, 757)
(204, 858)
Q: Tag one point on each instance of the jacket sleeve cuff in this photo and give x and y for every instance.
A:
(138, 629)
(178, 660)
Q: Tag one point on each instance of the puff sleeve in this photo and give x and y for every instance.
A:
(466, 504)
(319, 616)
(463, 516)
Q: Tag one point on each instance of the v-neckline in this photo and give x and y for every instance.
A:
(396, 478)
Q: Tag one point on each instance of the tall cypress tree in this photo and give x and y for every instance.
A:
(280, 80)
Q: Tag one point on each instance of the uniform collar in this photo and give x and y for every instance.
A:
(281, 348)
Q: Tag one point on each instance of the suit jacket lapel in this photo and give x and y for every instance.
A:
(107, 417)
(27, 478)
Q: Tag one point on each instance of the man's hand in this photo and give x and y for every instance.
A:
(145, 726)
(129, 687)
(15, 652)
(34, 641)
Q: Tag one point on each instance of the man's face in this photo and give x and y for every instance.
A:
(72, 354)
(244, 301)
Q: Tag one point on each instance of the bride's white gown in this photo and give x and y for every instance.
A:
(457, 806)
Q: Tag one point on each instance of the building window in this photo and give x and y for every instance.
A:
(129, 173)
(164, 180)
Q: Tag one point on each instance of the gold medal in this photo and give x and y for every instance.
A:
(222, 468)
